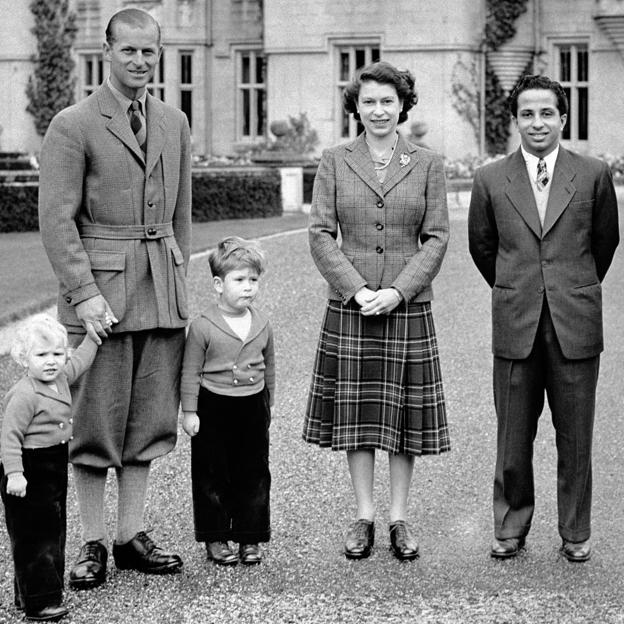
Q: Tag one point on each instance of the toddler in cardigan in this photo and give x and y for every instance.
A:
(227, 389)
(36, 427)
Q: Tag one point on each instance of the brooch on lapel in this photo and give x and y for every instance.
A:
(404, 160)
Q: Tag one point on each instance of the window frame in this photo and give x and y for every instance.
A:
(253, 87)
(186, 87)
(86, 88)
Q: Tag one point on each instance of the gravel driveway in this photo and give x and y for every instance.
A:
(304, 577)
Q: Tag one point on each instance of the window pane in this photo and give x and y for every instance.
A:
(100, 70)
(344, 126)
(245, 68)
(564, 64)
(582, 113)
(246, 113)
(161, 68)
(583, 65)
(186, 104)
(89, 71)
(345, 70)
(374, 55)
(360, 58)
(259, 69)
(566, 129)
(260, 112)
(186, 69)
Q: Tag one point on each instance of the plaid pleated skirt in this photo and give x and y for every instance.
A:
(377, 383)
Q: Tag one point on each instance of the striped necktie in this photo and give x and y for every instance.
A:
(137, 123)
(542, 174)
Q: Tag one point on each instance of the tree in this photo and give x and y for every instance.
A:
(51, 87)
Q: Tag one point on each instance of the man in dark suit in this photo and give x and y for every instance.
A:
(543, 228)
(115, 218)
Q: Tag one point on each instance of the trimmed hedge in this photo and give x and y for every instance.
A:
(217, 195)
(236, 194)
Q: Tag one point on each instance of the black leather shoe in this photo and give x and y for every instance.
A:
(250, 554)
(141, 554)
(402, 542)
(360, 539)
(90, 568)
(507, 548)
(221, 553)
(47, 614)
(577, 552)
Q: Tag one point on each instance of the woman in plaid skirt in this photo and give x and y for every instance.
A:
(376, 381)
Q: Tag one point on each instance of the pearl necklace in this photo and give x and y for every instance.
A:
(382, 167)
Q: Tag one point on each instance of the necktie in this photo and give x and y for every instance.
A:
(542, 175)
(137, 123)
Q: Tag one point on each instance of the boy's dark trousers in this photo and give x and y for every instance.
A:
(230, 468)
(36, 525)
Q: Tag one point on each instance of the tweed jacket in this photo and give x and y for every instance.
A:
(563, 261)
(393, 234)
(216, 358)
(35, 415)
(113, 222)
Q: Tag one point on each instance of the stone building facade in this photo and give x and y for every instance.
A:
(236, 65)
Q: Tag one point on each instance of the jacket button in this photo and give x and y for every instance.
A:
(251, 379)
(379, 226)
(235, 381)
(151, 231)
(68, 299)
(379, 250)
(380, 203)
(61, 425)
(540, 290)
(150, 204)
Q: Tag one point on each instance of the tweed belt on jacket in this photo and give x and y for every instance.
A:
(150, 231)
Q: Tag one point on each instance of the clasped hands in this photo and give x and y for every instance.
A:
(376, 302)
(97, 317)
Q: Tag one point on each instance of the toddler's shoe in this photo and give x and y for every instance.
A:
(47, 614)
(221, 553)
(250, 554)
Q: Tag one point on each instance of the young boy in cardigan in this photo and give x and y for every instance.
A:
(36, 427)
(228, 386)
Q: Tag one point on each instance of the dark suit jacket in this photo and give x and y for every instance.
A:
(96, 191)
(564, 261)
(393, 234)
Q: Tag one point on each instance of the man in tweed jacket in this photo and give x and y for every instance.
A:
(115, 217)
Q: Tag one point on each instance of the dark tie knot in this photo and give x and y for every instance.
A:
(135, 106)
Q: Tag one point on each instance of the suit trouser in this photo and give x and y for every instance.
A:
(519, 387)
(36, 525)
(230, 468)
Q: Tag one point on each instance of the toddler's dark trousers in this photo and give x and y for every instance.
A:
(36, 526)
(230, 468)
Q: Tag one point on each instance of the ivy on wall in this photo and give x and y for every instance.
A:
(51, 87)
(499, 28)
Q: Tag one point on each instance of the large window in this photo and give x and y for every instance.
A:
(91, 73)
(251, 105)
(351, 58)
(186, 85)
(572, 71)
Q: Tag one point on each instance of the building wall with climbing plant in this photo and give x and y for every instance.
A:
(236, 66)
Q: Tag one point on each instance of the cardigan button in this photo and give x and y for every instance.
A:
(61, 425)
(251, 379)
(235, 381)
(380, 203)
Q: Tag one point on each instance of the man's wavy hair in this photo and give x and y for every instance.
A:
(535, 81)
(384, 73)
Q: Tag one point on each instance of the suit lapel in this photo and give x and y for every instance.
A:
(156, 132)
(403, 161)
(520, 193)
(561, 190)
(358, 158)
(118, 122)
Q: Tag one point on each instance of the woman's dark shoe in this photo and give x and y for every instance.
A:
(47, 614)
(402, 542)
(90, 568)
(250, 554)
(141, 554)
(221, 553)
(360, 539)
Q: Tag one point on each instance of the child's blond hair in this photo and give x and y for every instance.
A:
(234, 253)
(39, 327)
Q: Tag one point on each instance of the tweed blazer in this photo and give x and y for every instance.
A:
(113, 222)
(393, 234)
(563, 261)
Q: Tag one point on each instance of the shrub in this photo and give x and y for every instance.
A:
(236, 194)
(18, 207)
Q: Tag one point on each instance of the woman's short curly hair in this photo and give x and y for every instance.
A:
(234, 253)
(384, 73)
(41, 327)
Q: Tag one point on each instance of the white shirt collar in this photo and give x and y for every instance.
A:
(531, 162)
